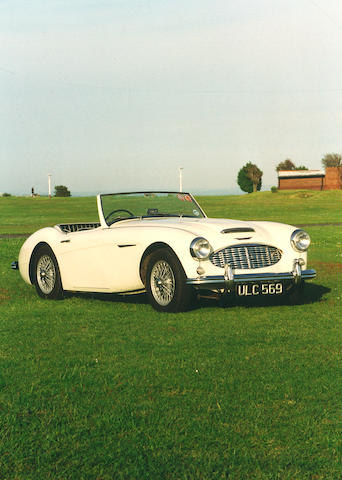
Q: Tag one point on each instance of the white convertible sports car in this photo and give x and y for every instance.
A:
(163, 243)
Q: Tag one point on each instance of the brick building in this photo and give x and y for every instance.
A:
(333, 178)
(330, 179)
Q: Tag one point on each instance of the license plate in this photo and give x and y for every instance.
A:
(255, 289)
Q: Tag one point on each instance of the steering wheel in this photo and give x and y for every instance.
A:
(118, 210)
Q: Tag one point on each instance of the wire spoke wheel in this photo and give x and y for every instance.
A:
(163, 284)
(166, 282)
(46, 274)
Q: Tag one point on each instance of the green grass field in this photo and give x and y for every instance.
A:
(104, 387)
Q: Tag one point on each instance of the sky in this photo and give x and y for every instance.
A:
(116, 95)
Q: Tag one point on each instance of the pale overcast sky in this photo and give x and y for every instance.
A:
(115, 95)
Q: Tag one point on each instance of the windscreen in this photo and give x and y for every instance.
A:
(122, 206)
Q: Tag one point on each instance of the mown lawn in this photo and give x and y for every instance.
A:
(26, 215)
(104, 387)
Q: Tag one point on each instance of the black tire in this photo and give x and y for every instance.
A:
(165, 283)
(46, 276)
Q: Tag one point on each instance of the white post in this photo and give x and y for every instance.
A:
(181, 179)
(49, 180)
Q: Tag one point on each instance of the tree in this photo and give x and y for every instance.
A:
(254, 174)
(286, 165)
(61, 191)
(249, 178)
(332, 160)
(289, 165)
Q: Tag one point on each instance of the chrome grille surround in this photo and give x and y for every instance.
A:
(247, 256)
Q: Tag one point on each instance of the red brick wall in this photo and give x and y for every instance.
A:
(332, 179)
(311, 183)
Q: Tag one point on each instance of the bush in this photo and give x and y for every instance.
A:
(274, 189)
(6, 195)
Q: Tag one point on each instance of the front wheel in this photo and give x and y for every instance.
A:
(165, 283)
(46, 276)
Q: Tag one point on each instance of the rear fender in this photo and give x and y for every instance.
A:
(46, 236)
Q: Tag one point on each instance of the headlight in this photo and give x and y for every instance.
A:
(300, 240)
(200, 248)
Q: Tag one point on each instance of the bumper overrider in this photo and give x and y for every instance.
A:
(229, 280)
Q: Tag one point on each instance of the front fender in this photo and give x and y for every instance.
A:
(178, 241)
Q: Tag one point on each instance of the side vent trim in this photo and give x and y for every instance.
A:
(238, 230)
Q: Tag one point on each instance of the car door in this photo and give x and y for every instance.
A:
(101, 260)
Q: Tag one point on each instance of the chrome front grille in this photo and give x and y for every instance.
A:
(246, 256)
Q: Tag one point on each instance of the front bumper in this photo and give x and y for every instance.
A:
(229, 280)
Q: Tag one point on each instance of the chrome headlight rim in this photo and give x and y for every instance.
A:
(300, 240)
(200, 248)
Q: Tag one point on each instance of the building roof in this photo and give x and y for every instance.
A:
(300, 173)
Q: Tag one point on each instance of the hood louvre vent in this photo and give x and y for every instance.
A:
(238, 230)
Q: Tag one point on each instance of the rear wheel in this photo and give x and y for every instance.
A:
(46, 276)
(165, 283)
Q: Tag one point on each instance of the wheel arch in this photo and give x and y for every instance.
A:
(149, 250)
(33, 254)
